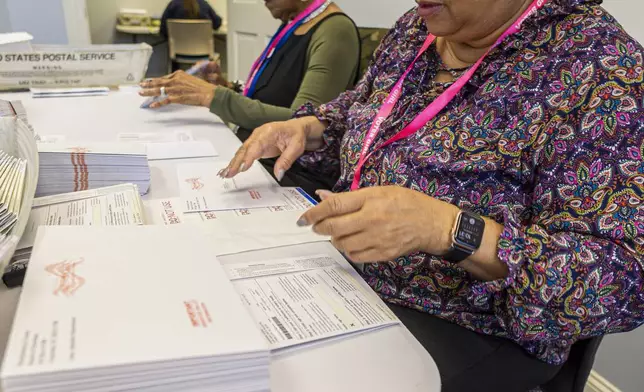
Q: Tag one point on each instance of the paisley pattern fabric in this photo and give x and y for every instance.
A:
(546, 139)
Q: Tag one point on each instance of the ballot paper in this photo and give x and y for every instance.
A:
(235, 232)
(299, 301)
(131, 308)
(70, 167)
(169, 211)
(180, 150)
(118, 205)
(156, 137)
(203, 190)
(69, 92)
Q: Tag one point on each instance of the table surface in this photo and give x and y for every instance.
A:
(389, 359)
(154, 30)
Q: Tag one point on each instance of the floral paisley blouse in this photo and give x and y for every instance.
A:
(548, 140)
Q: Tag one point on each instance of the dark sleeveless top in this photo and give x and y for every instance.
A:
(281, 80)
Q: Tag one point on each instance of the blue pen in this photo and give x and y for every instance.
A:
(194, 70)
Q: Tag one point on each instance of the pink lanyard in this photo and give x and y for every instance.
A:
(436, 106)
(257, 65)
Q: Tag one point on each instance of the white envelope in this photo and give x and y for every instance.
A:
(180, 150)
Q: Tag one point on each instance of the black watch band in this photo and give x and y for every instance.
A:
(456, 255)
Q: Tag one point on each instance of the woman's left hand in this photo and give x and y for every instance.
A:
(382, 223)
(180, 88)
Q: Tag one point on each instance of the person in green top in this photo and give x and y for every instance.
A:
(317, 63)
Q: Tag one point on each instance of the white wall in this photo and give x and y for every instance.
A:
(58, 22)
(44, 19)
(629, 14)
(5, 22)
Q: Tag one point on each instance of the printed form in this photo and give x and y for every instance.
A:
(118, 205)
(303, 300)
(169, 211)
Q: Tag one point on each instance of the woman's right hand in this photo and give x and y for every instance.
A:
(212, 73)
(287, 140)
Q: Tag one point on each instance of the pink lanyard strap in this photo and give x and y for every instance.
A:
(257, 65)
(431, 111)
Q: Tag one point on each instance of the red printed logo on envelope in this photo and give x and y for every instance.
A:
(195, 183)
(68, 281)
(255, 195)
(198, 314)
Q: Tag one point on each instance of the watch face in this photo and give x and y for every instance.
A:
(470, 230)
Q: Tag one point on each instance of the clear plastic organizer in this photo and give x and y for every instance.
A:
(17, 138)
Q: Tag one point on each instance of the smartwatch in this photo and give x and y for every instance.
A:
(467, 236)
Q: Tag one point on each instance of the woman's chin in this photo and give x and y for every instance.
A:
(275, 13)
(437, 32)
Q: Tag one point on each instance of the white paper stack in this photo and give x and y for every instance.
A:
(145, 308)
(118, 205)
(13, 172)
(67, 167)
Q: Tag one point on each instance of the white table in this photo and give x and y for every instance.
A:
(386, 360)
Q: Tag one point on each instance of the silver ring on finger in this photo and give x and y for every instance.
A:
(163, 91)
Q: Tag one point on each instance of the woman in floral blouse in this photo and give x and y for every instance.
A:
(545, 141)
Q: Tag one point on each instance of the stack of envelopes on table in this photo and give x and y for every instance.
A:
(145, 308)
(118, 205)
(12, 182)
(66, 167)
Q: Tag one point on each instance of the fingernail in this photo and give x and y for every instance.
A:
(302, 222)
(225, 173)
(323, 194)
(280, 175)
(242, 166)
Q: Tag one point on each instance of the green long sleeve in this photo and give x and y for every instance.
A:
(332, 64)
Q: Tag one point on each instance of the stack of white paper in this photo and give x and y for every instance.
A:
(12, 182)
(118, 205)
(66, 167)
(145, 308)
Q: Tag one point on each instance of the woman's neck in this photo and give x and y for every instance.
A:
(459, 54)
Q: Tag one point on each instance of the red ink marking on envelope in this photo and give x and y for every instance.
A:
(195, 183)
(197, 313)
(68, 281)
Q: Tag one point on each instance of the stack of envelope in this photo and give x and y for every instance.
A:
(12, 182)
(118, 205)
(84, 323)
(67, 167)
